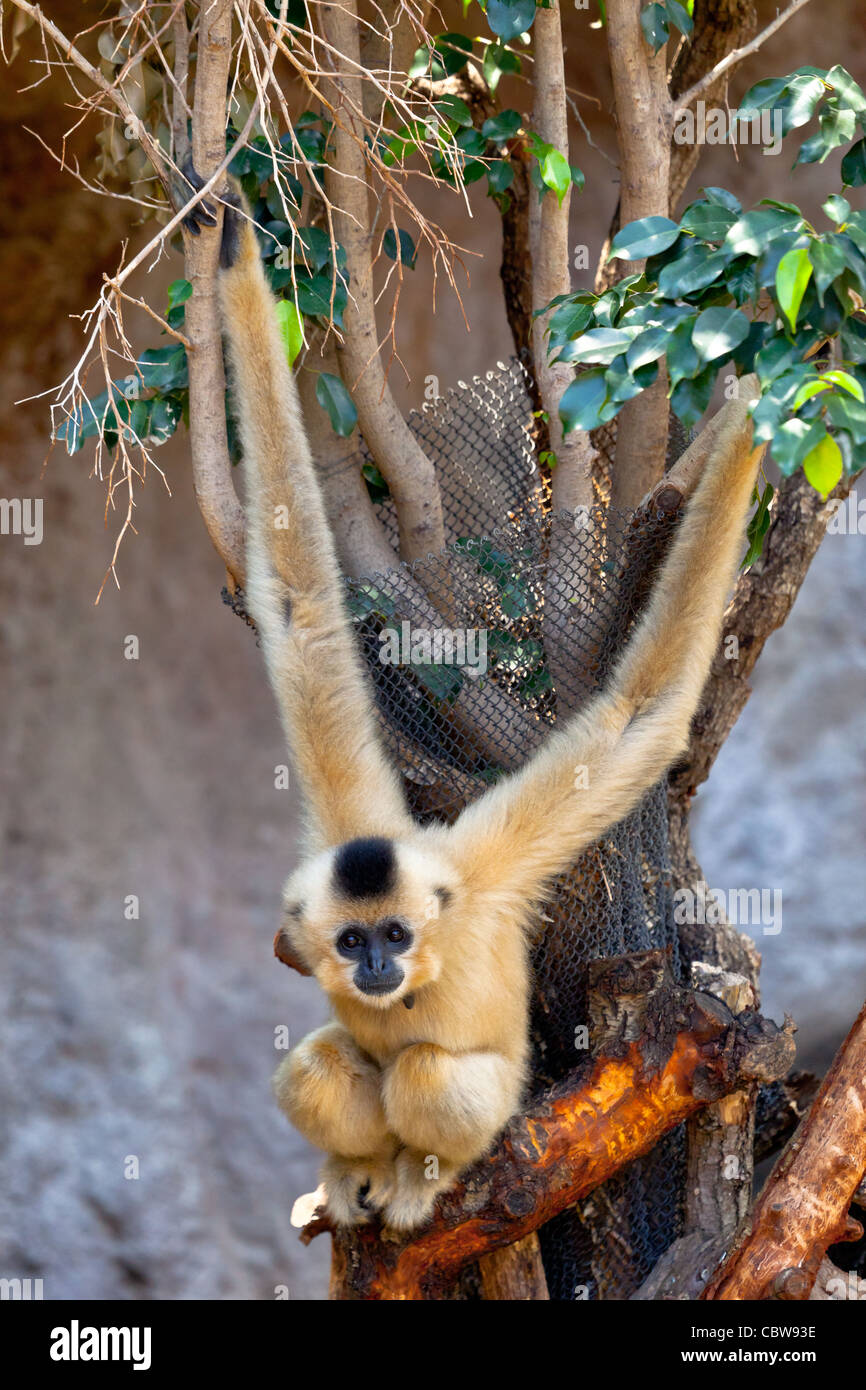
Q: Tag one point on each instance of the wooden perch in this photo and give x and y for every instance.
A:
(665, 1053)
(803, 1209)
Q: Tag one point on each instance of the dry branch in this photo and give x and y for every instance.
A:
(804, 1206)
(665, 1054)
(731, 60)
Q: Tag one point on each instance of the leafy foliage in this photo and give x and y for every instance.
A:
(764, 290)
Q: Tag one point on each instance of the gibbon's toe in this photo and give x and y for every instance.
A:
(357, 1188)
(419, 1180)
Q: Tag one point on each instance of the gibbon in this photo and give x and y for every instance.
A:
(417, 934)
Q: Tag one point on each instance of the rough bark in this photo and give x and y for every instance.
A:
(804, 1206)
(551, 266)
(409, 473)
(644, 137)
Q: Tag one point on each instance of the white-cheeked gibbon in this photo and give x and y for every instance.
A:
(417, 934)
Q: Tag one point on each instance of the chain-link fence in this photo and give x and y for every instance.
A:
(474, 656)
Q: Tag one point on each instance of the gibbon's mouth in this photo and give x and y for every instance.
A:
(380, 987)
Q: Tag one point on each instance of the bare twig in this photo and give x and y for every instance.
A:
(736, 57)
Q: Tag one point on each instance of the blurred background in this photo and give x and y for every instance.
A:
(153, 1038)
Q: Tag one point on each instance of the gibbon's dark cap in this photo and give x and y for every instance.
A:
(366, 868)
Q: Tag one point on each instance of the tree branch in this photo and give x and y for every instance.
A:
(644, 123)
(551, 267)
(736, 57)
(804, 1206)
(409, 473)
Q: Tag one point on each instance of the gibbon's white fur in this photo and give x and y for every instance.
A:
(417, 934)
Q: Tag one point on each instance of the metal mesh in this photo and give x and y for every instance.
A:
(555, 598)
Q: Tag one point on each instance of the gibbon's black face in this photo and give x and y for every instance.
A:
(364, 919)
(374, 948)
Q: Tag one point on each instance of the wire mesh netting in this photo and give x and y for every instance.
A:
(474, 655)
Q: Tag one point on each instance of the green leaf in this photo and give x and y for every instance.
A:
(645, 237)
(792, 276)
(335, 399)
(823, 464)
(718, 332)
(498, 60)
(443, 682)
(750, 233)
(501, 127)
(682, 358)
(847, 90)
(647, 347)
(792, 440)
(847, 413)
(708, 220)
(691, 396)
(471, 142)
(679, 16)
(846, 381)
(453, 108)
(598, 345)
(554, 168)
(164, 369)
(837, 208)
(828, 261)
(758, 526)
(694, 270)
(654, 22)
(582, 401)
(179, 292)
(854, 166)
(568, 321)
(314, 297)
(405, 252)
(723, 198)
(291, 329)
(500, 176)
(508, 19)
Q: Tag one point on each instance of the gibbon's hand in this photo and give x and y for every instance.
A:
(205, 212)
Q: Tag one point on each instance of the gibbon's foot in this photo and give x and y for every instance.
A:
(357, 1188)
(420, 1178)
(204, 214)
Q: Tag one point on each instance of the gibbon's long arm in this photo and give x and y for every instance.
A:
(294, 591)
(595, 770)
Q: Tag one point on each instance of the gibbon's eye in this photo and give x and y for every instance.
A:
(350, 940)
(395, 933)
